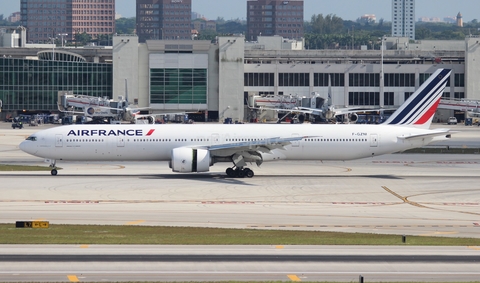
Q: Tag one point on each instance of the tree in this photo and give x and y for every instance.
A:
(82, 38)
(231, 27)
(104, 40)
(207, 35)
(380, 23)
(422, 33)
(329, 24)
(451, 35)
(125, 25)
(473, 27)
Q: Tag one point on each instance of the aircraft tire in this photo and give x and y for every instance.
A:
(54, 172)
(230, 172)
(240, 173)
(248, 173)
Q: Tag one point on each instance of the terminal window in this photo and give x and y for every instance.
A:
(178, 86)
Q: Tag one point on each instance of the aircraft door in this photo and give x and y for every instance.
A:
(120, 141)
(373, 140)
(58, 140)
(295, 143)
(215, 139)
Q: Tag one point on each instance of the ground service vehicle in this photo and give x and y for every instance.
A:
(452, 121)
(17, 124)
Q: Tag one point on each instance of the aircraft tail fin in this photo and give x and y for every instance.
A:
(419, 109)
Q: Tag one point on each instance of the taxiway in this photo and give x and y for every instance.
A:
(407, 194)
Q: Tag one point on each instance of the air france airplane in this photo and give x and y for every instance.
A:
(194, 148)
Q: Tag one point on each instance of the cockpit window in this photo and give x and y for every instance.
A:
(32, 138)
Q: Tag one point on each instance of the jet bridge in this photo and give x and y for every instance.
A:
(97, 108)
(471, 108)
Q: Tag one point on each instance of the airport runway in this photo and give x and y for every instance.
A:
(241, 263)
(411, 194)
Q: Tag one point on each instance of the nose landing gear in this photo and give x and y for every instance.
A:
(54, 171)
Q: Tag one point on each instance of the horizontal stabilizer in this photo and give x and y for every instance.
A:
(436, 133)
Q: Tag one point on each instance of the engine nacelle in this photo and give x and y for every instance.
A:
(301, 118)
(353, 117)
(188, 160)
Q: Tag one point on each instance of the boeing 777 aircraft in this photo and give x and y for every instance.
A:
(194, 148)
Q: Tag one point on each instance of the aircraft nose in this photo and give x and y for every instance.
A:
(23, 146)
(26, 146)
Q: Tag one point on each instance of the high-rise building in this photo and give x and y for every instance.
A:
(47, 19)
(14, 17)
(274, 17)
(164, 19)
(403, 18)
(459, 20)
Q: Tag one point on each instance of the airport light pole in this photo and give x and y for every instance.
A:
(382, 74)
(62, 35)
(53, 48)
(353, 37)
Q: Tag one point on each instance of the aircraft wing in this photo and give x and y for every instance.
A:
(250, 151)
(265, 145)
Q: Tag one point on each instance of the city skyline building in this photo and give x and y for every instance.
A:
(403, 18)
(14, 17)
(46, 20)
(275, 17)
(459, 20)
(164, 19)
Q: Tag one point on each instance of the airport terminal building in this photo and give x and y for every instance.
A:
(171, 74)
(32, 85)
(216, 79)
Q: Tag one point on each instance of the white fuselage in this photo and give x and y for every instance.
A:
(155, 142)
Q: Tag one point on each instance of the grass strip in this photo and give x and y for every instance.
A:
(7, 168)
(158, 235)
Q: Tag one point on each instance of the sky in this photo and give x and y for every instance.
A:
(346, 9)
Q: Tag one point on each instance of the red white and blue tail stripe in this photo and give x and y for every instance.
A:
(420, 107)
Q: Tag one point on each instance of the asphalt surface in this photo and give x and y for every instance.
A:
(404, 194)
(199, 263)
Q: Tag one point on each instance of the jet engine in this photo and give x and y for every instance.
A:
(353, 117)
(301, 118)
(187, 160)
(151, 119)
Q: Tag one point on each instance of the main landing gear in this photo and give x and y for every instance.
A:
(239, 172)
